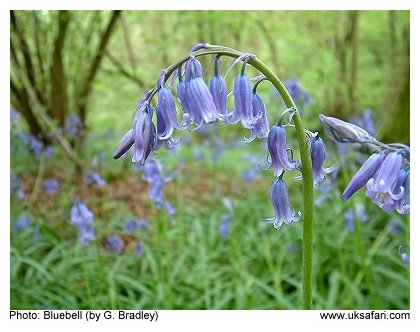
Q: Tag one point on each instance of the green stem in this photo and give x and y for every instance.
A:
(303, 149)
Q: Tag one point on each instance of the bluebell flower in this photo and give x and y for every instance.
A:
(22, 222)
(361, 213)
(94, 178)
(277, 147)
(404, 256)
(131, 225)
(250, 175)
(349, 216)
(156, 192)
(218, 89)
(318, 156)
(243, 98)
(296, 92)
(280, 200)
(381, 188)
(126, 143)
(363, 175)
(143, 223)
(366, 121)
(115, 242)
(73, 125)
(344, 132)
(144, 135)
(198, 154)
(15, 182)
(138, 249)
(224, 225)
(82, 217)
(166, 114)
(151, 171)
(200, 104)
(170, 209)
(14, 115)
(262, 126)
(51, 186)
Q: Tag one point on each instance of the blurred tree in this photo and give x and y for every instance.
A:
(54, 64)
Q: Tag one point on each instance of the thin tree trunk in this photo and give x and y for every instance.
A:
(59, 102)
(352, 86)
(87, 84)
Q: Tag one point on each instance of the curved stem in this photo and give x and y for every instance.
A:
(303, 149)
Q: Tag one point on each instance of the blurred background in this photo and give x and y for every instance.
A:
(185, 231)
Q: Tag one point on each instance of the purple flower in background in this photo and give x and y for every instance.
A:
(394, 227)
(138, 249)
(298, 94)
(277, 147)
(51, 186)
(363, 175)
(218, 89)
(22, 222)
(16, 186)
(250, 175)
(94, 178)
(14, 115)
(73, 125)
(115, 242)
(361, 213)
(349, 216)
(280, 200)
(366, 121)
(151, 171)
(33, 144)
(404, 256)
(156, 192)
(170, 209)
(224, 225)
(198, 154)
(82, 217)
(132, 225)
(318, 156)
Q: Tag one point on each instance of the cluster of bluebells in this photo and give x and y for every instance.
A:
(155, 174)
(203, 104)
(22, 222)
(73, 125)
(386, 173)
(93, 178)
(299, 95)
(16, 186)
(51, 186)
(82, 218)
(132, 225)
(281, 160)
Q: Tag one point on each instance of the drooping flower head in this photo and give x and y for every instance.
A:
(144, 134)
(277, 147)
(198, 99)
(318, 156)
(364, 174)
(262, 126)
(126, 143)
(166, 111)
(344, 132)
(381, 188)
(218, 89)
(280, 200)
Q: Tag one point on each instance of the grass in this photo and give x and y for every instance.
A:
(186, 264)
